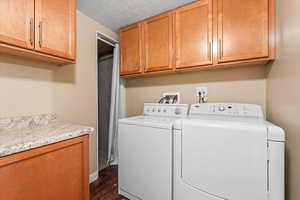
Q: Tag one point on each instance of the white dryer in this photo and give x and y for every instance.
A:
(145, 152)
(227, 151)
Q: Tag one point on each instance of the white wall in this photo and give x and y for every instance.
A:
(26, 87)
(75, 88)
(283, 91)
(245, 85)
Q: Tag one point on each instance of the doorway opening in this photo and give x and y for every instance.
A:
(108, 88)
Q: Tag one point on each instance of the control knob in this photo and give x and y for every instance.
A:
(177, 111)
(222, 108)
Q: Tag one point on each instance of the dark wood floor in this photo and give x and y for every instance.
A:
(106, 187)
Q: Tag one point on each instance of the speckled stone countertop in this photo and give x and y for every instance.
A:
(19, 134)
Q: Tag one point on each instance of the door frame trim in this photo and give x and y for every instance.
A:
(110, 41)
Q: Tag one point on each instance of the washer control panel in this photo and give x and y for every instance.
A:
(230, 109)
(170, 110)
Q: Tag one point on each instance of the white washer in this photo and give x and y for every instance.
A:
(227, 151)
(145, 152)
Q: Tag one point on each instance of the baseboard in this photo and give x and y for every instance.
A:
(115, 162)
(94, 176)
(127, 195)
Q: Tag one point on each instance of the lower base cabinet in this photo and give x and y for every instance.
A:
(58, 171)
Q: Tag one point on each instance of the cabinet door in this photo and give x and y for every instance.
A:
(243, 30)
(55, 27)
(17, 23)
(158, 38)
(194, 35)
(54, 172)
(131, 49)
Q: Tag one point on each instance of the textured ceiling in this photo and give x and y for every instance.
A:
(119, 13)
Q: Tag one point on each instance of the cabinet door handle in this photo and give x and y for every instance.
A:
(41, 34)
(220, 49)
(31, 31)
(209, 50)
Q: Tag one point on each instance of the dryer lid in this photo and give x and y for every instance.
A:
(221, 120)
(275, 133)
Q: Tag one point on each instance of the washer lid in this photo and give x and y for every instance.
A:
(150, 121)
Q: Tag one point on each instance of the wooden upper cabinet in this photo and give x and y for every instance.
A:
(17, 23)
(131, 49)
(158, 39)
(194, 34)
(243, 30)
(55, 27)
(205, 34)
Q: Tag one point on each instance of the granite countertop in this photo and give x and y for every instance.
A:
(19, 134)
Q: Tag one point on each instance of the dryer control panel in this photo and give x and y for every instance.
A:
(168, 110)
(229, 109)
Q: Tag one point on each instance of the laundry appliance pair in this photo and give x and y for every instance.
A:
(219, 151)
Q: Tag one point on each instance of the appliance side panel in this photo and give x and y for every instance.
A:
(276, 171)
